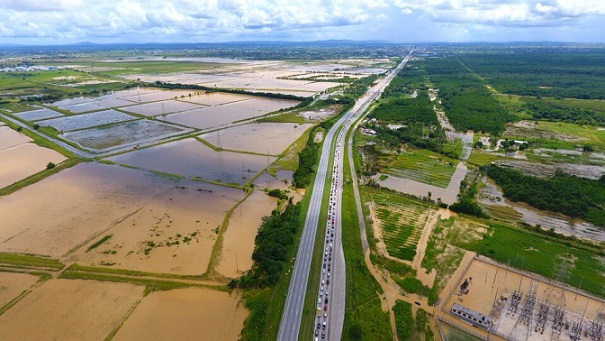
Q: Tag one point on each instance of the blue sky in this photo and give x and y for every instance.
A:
(406, 21)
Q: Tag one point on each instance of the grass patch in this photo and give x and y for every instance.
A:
(285, 118)
(421, 165)
(99, 242)
(12, 259)
(404, 321)
(540, 254)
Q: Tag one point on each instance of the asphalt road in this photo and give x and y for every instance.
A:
(331, 313)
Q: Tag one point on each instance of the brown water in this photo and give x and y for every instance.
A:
(65, 210)
(192, 158)
(263, 138)
(23, 160)
(10, 138)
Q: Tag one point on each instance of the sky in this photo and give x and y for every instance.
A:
(399, 21)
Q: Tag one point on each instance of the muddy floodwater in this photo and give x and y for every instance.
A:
(173, 233)
(161, 108)
(10, 138)
(222, 115)
(23, 160)
(186, 314)
(63, 309)
(66, 210)
(447, 195)
(492, 199)
(76, 122)
(262, 138)
(192, 158)
(238, 241)
(13, 284)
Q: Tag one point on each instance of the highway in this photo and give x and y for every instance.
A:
(330, 313)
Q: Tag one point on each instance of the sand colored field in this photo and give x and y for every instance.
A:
(69, 310)
(180, 224)
(186, 314)
(238, 241)
(23, 160)
(190, 157)
(65, 210)
(13, 284)
(263, 138)
(10, 138)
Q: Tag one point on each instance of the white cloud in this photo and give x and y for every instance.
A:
(174, 20)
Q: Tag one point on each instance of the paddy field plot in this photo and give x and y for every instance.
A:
(173, 233)
(262, 138)
(66, 210)
(123, 134)
(69, 310)
(161, 108)
(186, 314)
(238, 240)
(40, 114)
(192, 158)
(19, 162)
(13, 284)
(216, 98)
(400, 220)
(98, 104)
(161, 95)
(421, 165)
(222, 115)
(76, 122)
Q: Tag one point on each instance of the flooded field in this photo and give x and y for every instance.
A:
(448, 195)
(238, 240)
(281, 181)
(161, 108)
(40, 114)
(13, 284)
(491, 292)
(173, 233)
(10, 138)
(23, 160)
(222, 115)
(262, 138)
(123, 134)
(192, 158)
(69, 123)
(104, 102)
(491, 198)
(66, 210)
(185, 314)
(543, 170)
(217, 98)
(69, 310)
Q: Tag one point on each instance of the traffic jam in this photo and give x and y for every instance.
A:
(323, 299)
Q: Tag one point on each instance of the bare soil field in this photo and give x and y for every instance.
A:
(238, 240)
(13, 284)
(186, 314)
(491, 292)
(66, 210)
(69, 310)
(76, 122)
(173, 233)
(23, 160)
(192, 158)
(262, 138)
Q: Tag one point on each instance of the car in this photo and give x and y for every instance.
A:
(319, 300)
(323, 282)
(323, 335)
(328, 282)
(327, 292)
(326, 300)
(324, 265)
(316, 332)
(318, 325)
(326, 307)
